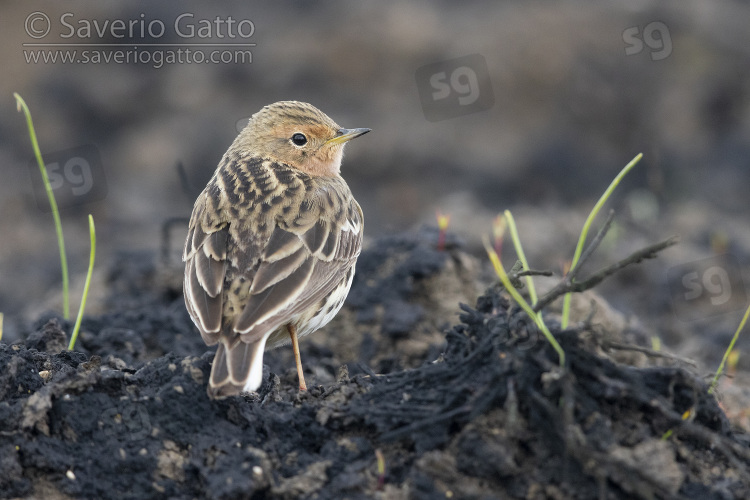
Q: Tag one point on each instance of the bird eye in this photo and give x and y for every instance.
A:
(299, 139)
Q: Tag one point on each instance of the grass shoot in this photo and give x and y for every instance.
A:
(21, 106)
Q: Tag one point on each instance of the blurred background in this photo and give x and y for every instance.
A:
(476, 107)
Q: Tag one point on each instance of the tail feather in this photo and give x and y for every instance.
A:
(236, 368)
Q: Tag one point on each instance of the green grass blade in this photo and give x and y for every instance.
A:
(521, 254)
(715, 381)
(21, 105)
(587, 226)
(79, 318)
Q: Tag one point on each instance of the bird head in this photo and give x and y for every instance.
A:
(299, 135)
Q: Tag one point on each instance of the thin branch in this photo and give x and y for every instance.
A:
(532, 272)
(566, 286)
(645, 253)
(648, 352)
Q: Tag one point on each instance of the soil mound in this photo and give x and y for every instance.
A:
(482, 412)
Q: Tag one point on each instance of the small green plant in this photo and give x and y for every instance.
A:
(92, 254)
(720, 370)
(569, 284)
(21, 106)
(587, 226)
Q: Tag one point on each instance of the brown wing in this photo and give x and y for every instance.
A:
(205, 257)
(306, 256)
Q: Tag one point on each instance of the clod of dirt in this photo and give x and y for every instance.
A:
(51, 338)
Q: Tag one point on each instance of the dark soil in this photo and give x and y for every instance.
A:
(477, 410)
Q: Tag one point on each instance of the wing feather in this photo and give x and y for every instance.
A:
(205, 267)
(272, 272)
(314, 237)
(210, 262)
(276, 299)
(323, 268)
(281, 244)
(206, 310)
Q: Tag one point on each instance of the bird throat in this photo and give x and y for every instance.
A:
(328, 165)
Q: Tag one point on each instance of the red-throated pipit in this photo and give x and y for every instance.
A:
(272, 242)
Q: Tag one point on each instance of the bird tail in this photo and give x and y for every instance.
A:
(237, 367)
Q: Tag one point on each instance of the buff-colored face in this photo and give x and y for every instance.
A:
(299, 135)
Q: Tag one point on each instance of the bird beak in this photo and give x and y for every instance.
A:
(347, 134)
